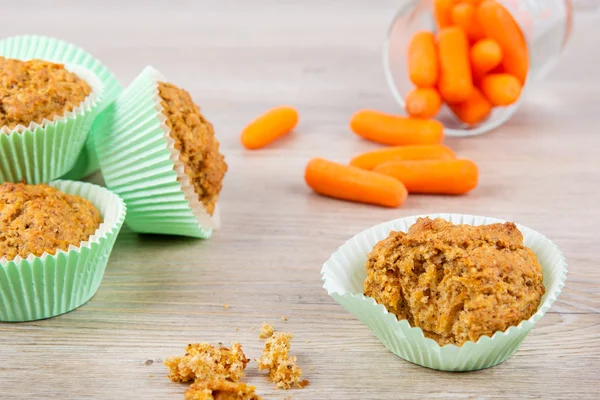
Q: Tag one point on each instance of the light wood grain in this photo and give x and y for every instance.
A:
(238, 58)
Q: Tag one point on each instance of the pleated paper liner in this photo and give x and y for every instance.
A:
(140, 163)
(46, 286)
(42, 152)
(344, 275)
(28, 47)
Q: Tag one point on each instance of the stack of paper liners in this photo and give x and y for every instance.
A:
(140, 163)
(46, 286)
(344, 276)
(40, 47)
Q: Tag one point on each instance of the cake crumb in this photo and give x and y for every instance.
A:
(237, 329)
(283, 370)
(252, 328)
(266, 331)
(217, 389)
(203, 361)
(284, 318)
(226, 306)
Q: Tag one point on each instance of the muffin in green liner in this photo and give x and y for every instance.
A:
(42, 152)
(344, 276)
(42, 287)
(140, 163)
(27, 47)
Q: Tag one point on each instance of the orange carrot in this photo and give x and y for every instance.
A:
(486, 55)
(373, 158)
(423, 103)
(423, 60)
(396, 131)
(474, 3)
(501, 89)
(464, 16)
(473, 110)
(354, 184)
(269, 126)
(433, 176)
(442, 11)
(455, 83)
(499, 25)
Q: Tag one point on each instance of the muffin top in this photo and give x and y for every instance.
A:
(456, 282)
(195, 139)
(33, 90)
(38, 218)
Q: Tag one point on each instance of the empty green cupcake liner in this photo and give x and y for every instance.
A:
(344, 275)
(26, 47)
(46, 286)
(43, 152)
(140, 163)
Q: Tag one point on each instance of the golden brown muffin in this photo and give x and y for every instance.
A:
(282, 367)
(31, 91)
(195, 139)
(38, 218)
(220, 390)
(456, 282)
(203, 361)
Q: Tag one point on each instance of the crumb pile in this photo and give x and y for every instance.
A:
(266, 331)
(456, 282)
(34, 90)
(203, 361)
(39, 218)
(220, 390)
(195, 139)
(283, 370)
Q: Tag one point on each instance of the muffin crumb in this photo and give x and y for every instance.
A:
(266, 331)
(284, 318)
(194, 137)
(456, 282)
(38, 219)
(283, 370)
(226, 306)
(203, 361)
(34, 90)
(216, 389)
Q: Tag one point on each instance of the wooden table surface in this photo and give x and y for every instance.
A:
(238, 58)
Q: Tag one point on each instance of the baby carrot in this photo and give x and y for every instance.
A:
(372, 159)
(354, 184)
(486, 55)
(423, 103)
(269, 126)
(455, 83)
(473, 110)
(501, 89)
(423, 60)
(464, 16)
(433, 176)
(474, 3)
(499, 25)
(442, 11)
(396, 131)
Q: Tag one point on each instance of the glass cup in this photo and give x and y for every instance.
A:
(546, 26)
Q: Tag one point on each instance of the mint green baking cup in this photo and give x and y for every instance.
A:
(28, 47)
(140, 163)
(46, 286)
(42, 152)
(344, 275)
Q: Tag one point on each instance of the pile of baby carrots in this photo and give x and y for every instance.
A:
(478, 61)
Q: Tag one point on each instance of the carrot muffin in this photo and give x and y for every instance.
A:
(456, 282)
(220, 390)
(195, 139)
(38, 218)
(31, 91)
(203, 361)
(283, 370)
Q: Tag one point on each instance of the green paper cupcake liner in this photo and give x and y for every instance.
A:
(140, 163)
(43, 152)
(344, 275)
(32, 46)
(46, 286)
